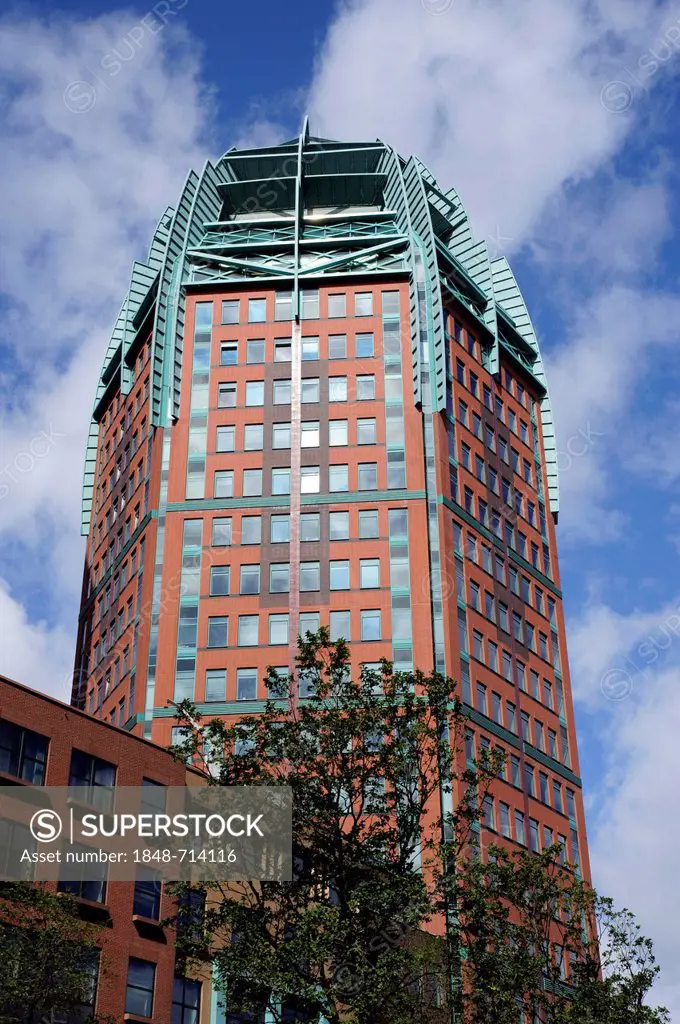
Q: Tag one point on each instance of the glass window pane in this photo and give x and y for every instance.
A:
(310, 526)
(368, 523)
(257, 311)
(338, 525)
(363, 304)
(279, 529)
(231, 311)
(337, 346)
(337, 305)
(248, 630)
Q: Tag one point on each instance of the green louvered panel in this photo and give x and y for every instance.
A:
(164, 322)
(205, 207)
(142, 280)
(395, 199)
(475, 259)
(509, 296)
(422, 226)
(88, 478)
(159, 243)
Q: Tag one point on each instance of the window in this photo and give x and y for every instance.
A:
(186, 1001)
(310, 526)
(252, 483)
(215, 684)
(254, 392)
(337, 389)
(365, 347)
(339, 575)
(310, 480)
(282, 392)
(340, 626)
(255, 351)
(217, 630)
(309, 622)
(368, 523)
(140, 985)
(505, 820)
(310, 348)
(257, 311)
(282, 350)
(363, 304)
(221, 532)
(557, 797)
(97, 775)
(365, 387)
(368, 476)
(337, 346)
(251, 529)
(337, 305)
(82, 884)
(23, 753)
(489, 814)
(370, 625)
(246, 684)
(281, 435)
(253, 437)
(279, 529)
(338, 525)
(310, 304)
(310, 390)
(225, 439)
(369, 573)
(281, 481)
(147, 894)
(228, 353)
(366, 431)
(310, 576)
(219, 580)
(338, 478)
(231, 311)
(533, 835)
(477, 645)
(226, 396)
(519, 828)
(283, 306)
(279, 577)
(481, 698)
(223, 486)
(250, 579)
(337, 433)
(309, 434)
(474, 595)
(278, 629)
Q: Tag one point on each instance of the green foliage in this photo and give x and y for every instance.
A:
(46, 954)
(393, 915)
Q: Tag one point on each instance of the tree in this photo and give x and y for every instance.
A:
(47, 955)
(393, 914)
(537, 935)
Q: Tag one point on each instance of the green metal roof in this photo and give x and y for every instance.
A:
(311, 208)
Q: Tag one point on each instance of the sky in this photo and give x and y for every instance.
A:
(556, 121)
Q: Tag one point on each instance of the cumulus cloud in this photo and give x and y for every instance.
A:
(103, 119)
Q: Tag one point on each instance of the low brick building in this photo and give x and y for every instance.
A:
(44, 742)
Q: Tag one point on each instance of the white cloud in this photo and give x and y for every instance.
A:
(593, 376)
(633, 834)
(506, 103)
(35, 653)
(82, 190)
(502, 100)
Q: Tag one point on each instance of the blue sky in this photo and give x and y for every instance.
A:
(557, 122)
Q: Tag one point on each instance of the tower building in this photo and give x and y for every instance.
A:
(324, 403)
